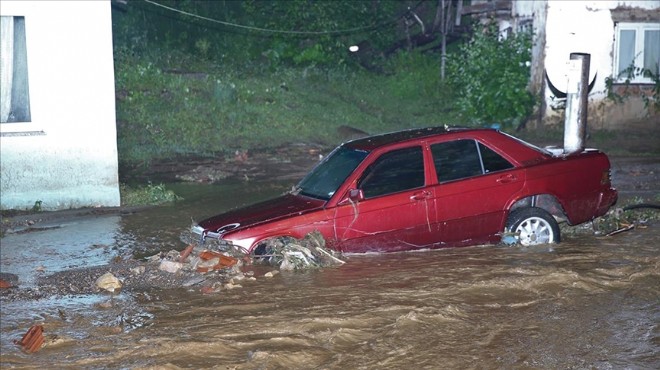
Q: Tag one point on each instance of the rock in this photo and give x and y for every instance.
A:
(230, 286)
(270, 274)
(108, 282)
(170, 266)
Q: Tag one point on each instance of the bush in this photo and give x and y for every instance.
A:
(489, 75)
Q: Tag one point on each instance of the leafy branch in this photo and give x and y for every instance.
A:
(651, 99)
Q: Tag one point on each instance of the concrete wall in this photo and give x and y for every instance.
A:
(66, 157)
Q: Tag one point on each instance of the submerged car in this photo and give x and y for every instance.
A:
(427, 188)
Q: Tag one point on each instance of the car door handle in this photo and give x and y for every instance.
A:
(420, 195)
(504, 179)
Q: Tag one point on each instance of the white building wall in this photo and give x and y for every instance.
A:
(586, 27)
(533, 12)
(66, 157)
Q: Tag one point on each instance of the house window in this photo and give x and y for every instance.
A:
(14, 91)
(637, 49)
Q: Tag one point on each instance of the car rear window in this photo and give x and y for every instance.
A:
(492, 161)
(460, 159)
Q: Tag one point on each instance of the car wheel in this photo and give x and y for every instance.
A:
(533, 226)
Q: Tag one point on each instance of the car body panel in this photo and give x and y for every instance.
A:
(473, 211)
(375, 224)
(270, 210)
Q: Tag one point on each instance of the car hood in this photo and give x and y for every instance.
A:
(270, 210)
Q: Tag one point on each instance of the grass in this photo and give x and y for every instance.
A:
(146, 195)
(165, 109)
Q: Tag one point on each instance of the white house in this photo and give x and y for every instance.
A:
(58, 143)
(616, 34)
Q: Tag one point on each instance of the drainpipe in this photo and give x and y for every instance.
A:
(577, 92)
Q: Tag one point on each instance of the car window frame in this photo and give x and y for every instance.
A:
(364, 172)
(482, 166)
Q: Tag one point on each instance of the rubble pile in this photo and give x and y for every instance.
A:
(293, 254)
(207, 267)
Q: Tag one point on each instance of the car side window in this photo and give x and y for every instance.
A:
(465, 158)
(456, 160)
(395, 171)
(492, 161)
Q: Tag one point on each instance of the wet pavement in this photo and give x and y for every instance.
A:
(589, 302)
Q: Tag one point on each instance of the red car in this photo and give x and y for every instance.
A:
(428, 188)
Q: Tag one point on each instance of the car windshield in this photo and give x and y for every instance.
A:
(327, 176)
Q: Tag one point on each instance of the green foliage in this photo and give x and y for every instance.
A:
(37, 206)
(414, 75)
(625, 215)
(489, 77)
(186, 86)
(320, 32)
(146, 195)
(651, 99)
(295, 32)
(163, 112)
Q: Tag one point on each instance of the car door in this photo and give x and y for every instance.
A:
(393, 211)
(474, 187)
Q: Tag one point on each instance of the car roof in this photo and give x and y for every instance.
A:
(373, 142)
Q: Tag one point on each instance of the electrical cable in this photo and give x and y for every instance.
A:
(259, 29)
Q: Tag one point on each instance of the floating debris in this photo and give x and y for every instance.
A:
(186, 252)
(294, 254)
(626, 218)
(210, 261)
(5, 284)
(33, 339)
(620, 230)
(8, 280)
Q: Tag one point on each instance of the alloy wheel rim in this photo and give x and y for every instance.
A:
(535, 230)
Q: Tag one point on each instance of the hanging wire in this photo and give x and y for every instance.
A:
(229, 24)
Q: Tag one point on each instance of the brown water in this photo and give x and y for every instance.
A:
(586, 303)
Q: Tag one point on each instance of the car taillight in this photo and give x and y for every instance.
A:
(605, 178)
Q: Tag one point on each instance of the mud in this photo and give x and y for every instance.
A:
(289, 162)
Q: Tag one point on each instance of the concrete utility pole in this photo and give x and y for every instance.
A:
(577, 94)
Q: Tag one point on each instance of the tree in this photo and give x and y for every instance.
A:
(490, 75)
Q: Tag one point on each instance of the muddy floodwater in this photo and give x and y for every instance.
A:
(589, 302)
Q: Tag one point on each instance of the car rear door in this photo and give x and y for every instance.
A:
(475, 185)
(395, 212)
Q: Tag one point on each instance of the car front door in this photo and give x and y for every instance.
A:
(393, 210)
(474, 186)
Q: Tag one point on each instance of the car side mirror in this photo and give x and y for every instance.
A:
(353, 196)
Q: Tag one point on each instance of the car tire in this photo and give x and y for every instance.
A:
(533, 226)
